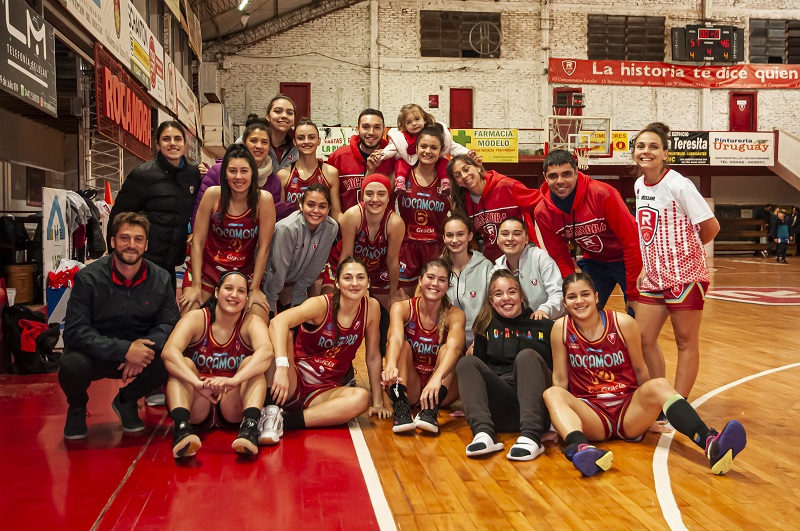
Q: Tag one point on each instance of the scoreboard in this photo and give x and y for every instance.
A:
(702, 44)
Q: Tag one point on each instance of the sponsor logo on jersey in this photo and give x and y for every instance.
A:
(612, 338)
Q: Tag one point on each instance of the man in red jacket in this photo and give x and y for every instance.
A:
(591, 215)
(359, 158)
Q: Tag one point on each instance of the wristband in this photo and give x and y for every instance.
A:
(281, 362)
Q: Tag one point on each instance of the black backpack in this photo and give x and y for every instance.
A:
(42, 360)
(95, 243)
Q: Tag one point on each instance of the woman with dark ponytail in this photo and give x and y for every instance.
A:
(675, 222)
(216, 357)
(426, 338)
(310, 375)
(233, 231)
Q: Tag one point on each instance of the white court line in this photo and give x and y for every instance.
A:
(669, 508)
(376, 495)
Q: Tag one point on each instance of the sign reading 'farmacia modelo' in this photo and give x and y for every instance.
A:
(28, 56)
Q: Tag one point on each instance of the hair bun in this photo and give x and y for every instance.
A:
(659, 126)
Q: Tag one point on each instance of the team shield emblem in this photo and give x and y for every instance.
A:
(647, 218)
(569, 67)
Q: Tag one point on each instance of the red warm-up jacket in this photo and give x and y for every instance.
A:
(599, 223)
(502, 197)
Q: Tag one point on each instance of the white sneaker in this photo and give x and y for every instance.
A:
(270, 425)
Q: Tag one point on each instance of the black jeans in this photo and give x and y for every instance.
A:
(78, 371)
(508, 403)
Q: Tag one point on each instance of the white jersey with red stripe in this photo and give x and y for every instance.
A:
(668, 213)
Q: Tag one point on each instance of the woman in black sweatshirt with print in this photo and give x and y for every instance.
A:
(503, 381)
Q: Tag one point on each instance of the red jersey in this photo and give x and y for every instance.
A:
(213, 358)
(297, 185)
(231, 245)
(424, 343)
(352, 166)
(321, 359)
(373, 250)
(423, 211)
(601, 367)
(502, 197)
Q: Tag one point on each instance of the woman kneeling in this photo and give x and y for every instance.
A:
(597, 355)
(216, 357)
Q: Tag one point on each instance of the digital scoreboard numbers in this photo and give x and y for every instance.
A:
(708, 44)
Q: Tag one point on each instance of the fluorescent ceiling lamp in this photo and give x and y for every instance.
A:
(243, 4)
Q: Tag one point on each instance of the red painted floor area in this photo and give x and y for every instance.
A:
(311, 480)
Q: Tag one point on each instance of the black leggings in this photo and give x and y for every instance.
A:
(78, 371)
(510, 402)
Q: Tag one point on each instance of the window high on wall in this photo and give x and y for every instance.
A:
(626, 38)
(459, 34)
(775, 41)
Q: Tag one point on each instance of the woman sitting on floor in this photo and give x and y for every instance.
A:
(601, 387)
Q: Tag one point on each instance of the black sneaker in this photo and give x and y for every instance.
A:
(427, 420)
(128, 413)
(184, 441)
(75, 426)
(402, 418)
(247, 441)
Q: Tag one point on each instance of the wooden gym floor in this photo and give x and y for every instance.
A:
(324, 479)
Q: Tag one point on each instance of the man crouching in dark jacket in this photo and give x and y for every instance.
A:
(119, 316)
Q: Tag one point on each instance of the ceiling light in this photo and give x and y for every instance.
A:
(243, 4)
(245, 18)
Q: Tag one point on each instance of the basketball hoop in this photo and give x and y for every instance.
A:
(582, 154)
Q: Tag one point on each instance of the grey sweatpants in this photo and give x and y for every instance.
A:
(508, 403)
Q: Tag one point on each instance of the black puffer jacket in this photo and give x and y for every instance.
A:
(165, 194)
(505, 338)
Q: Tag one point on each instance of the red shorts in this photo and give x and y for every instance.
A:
(425, 372)
(306, 392)
(611, 410)
(414, 255)
(691, 296)
(211, 274)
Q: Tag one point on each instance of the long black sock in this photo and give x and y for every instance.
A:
(268, 400)
(573, 440)
(179, 414)
(252, 413)
(442, 395)
(294, 420)
(397, 392)
(685, 419)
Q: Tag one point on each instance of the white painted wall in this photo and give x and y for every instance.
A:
(333, 54)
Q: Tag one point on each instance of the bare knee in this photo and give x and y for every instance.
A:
(359, 398)
(658, 389)
(555, 396)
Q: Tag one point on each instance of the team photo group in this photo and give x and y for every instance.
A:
(244, 291)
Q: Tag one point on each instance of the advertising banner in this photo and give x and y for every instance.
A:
(654, 74)
(107, 21)
(123, 107)
(170, 85)
(741, 149)
(188, 111)
(55, 237)
(175, 7)
(28, 56)
(139, 45)
(332, 139)
(688, 147)
(494, 145)
(157, 88)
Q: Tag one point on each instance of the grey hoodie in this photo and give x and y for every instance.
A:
(297, 256)
(540, 279)
(468, 290)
